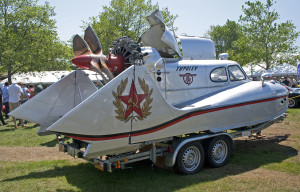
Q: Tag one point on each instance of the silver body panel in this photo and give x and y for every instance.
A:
(196, 48)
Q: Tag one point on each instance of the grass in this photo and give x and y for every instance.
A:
(279, 153)
(271, 164)
(24, 136)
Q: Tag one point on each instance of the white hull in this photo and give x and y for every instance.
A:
(94, 120)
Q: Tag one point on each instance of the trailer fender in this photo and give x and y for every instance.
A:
(176, 146)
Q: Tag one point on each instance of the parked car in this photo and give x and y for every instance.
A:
(294, 97)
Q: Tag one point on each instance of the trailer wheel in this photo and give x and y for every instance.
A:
(190, 158)
(293, 103)
(218, 151)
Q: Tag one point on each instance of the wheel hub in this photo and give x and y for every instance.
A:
(219, 151)
(291, 103)
(191, 158)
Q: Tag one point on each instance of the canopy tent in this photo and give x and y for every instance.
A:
(257, 71)
(282, 70)
(47, 77)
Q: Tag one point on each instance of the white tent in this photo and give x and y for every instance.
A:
(47, 77)
(280, 70)
(257, 71)
(283, 70)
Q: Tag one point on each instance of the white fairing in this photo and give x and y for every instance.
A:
(196, 48)
(54, 102)
(159, 36)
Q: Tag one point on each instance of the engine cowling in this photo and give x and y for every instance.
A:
(116, 63)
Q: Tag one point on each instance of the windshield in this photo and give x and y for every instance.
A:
(235, 73)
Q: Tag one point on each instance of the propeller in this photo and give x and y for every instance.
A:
(88, 54)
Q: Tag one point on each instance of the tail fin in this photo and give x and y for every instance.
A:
(55, 101)
(129, 103)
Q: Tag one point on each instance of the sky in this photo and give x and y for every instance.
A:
(195, 16)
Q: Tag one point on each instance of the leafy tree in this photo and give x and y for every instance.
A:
(124, 18)
(28, 38)
(267, 37)
(224, 36)
(242, 52)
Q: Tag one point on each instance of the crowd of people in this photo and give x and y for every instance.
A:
(14, 95)
(291, 82)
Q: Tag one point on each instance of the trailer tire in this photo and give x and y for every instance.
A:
(293, 103)
(218, 151)
(190, 158)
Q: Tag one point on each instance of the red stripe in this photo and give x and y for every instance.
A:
(99, 139)
(177, 121)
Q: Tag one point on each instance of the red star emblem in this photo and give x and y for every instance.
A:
(133, 101)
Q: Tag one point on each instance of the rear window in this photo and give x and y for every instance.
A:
(218, 75)
(235, 73)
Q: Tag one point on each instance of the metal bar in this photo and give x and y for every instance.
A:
(136, 155)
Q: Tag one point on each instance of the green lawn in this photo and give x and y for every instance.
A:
(24, 136)
(271, 164)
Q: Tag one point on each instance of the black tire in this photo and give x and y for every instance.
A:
(218, 151)
(190, 158)
(293, 103)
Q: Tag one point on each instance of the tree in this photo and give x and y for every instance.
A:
(28, 38)
(267, 38)
(224, 36)
(124, 18)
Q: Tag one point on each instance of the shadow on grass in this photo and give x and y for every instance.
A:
(257, 153)
(29, 127)
(10, 129)
(53, 142)
(247, 156)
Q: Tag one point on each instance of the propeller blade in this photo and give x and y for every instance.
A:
(94, 67)
(80, 47)
(89, 55)
(103, 66)
(92, 40)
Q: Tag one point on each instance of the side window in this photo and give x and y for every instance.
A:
(235, 73)
(219, 75)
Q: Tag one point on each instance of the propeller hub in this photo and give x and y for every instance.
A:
(116, 63)
(83, 61)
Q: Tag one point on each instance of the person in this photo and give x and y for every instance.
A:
(287, 82)
(293, 82)
(1, 116)
(26, 93)
(38, 88)
(5, 99)
(31, 90)
(15, 96)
